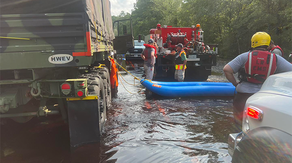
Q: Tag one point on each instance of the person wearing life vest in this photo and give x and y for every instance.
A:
(180, 63)
(257, 64)
(148, 55)
(275, 49)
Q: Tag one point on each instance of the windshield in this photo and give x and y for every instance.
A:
(139, 43)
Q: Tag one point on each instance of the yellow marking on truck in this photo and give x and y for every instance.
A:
(15, 38)
(100, 66)
(82, 98)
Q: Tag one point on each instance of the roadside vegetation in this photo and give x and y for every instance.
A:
(229, 23)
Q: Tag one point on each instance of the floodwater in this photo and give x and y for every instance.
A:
(137, 130)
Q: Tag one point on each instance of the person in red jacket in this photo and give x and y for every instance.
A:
(275, 49)
(148, 55)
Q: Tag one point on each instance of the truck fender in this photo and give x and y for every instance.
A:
(264, 144)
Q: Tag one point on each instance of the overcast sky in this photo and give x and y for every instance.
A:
(121, 5)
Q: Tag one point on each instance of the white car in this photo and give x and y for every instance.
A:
(267, 124)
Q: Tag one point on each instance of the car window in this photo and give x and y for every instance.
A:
(139, 43)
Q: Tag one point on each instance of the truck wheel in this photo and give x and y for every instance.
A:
(22, 119)
(104, 73)
(31, 106)
(97, 87)
(87, 117)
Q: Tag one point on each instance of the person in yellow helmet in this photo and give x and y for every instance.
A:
(253, 67)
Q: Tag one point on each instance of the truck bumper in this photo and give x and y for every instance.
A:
(134, 57)
(233, 140)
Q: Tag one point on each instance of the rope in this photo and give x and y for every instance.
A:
(126, 88)
(125, 79)
(135, 77)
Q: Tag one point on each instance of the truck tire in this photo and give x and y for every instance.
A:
(96, 87)
(104, 74)
(31, 106)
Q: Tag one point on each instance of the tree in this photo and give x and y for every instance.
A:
(229, 23)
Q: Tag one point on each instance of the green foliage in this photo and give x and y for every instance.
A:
(229, 23)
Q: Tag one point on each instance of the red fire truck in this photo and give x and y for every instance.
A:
(200, 57)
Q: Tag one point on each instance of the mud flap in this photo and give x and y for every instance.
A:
(83, 118)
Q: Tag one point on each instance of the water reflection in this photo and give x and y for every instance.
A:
(137, 130)
(170, 130)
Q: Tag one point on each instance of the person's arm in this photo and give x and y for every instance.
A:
(152, 58)
(277, 51)
(185, 62)
(228, 71)
(142, 56)
(172, 52)
(184, 59)
(234, 66)
(283, 65)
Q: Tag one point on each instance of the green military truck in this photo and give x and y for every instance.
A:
(54, 60)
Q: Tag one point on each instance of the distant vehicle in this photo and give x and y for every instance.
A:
(200, 57)
(134, 54)
(266, 128)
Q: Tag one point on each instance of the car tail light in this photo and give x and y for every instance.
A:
(66, 88)
(254, 113)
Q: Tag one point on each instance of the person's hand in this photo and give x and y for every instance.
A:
(235, 84)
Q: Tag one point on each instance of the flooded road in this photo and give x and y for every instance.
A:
(137, 130)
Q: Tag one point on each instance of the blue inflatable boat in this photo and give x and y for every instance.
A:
(180, 89)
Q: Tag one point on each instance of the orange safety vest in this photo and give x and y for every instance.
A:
(180, 66)
(114, 77)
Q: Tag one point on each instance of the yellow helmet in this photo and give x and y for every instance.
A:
(260, 39)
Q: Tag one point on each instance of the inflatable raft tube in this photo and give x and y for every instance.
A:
(180, 89)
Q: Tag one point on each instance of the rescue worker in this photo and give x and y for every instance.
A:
(180, 63)
(257, 65)
(148, 55)
(275, 49)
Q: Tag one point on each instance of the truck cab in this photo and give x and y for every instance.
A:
(266, 128)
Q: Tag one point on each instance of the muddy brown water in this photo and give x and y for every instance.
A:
(137, 130)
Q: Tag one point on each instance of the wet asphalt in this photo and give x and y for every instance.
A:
(137, 130)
